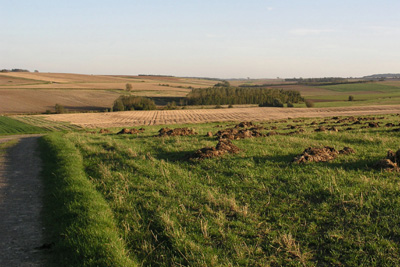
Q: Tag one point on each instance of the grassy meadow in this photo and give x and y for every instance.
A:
(373, 93)
(256, 208)
(9, 126)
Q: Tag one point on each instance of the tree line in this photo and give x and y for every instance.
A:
(133, 103)
(228, 95)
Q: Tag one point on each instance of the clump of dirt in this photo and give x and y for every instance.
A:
(373, 124)
(324, 129)
(390, 163)
(131, 131)
(176, 132)
(237, 134)
(245, 124)
(224, 146)
(321, 154)
(209, 134)
(320, 129)
(104, 131)
(347, 150)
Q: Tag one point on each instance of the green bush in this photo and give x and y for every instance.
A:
(59, 109)
(309, 103)
(351, 98)
(133, 103)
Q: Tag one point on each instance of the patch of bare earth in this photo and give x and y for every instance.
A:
(160, 117)
(321, 154)
(21, 205)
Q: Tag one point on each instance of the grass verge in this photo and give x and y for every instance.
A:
(10, 126)
(79, 221)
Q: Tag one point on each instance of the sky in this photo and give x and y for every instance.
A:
(219, 38)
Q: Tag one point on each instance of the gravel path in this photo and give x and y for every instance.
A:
(21, 204)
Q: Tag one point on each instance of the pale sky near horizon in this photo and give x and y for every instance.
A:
(223, 39)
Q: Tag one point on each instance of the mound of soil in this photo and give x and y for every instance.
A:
(224, 146)
(245, 124)
(104, 131)
(176, 132)
(318, 154)
(390, 163)
(347, 150)
(131, 131)
(320, 129)
(237, 134)
(373, 124)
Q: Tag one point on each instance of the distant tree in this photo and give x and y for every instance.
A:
(118, 105)
(36, 71)
(223, 84)
(128, 87)
(59, 109)
(171, 105)
(309, 103)
(351, 98)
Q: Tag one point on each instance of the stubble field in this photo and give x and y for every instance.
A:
(158, 117)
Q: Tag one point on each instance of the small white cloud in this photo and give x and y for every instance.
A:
(270, 8)
(305, 31)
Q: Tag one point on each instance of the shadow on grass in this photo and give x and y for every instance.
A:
(173, 156)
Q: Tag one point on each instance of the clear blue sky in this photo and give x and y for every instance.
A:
(219, 38)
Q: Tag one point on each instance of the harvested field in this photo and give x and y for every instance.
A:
(157, 117)
(30, 101)
(25, 92)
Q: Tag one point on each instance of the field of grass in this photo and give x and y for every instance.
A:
(363, 87)
(255, 208)
(10, 126)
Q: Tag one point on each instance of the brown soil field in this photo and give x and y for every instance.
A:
(165, 117)
(31, 92)
(31, 101)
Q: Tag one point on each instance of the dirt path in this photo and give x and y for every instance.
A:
(21, 204)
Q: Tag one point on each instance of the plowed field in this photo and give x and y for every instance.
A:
(157, 117)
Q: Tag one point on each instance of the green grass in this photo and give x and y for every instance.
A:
(250, 209)
(357, 87)
(79, 220)
(10, 126)
(7, 144)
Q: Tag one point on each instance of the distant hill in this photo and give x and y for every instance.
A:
(383, 76)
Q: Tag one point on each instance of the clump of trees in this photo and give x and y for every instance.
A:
(14, 70)
(223, 94)
(133, 103)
